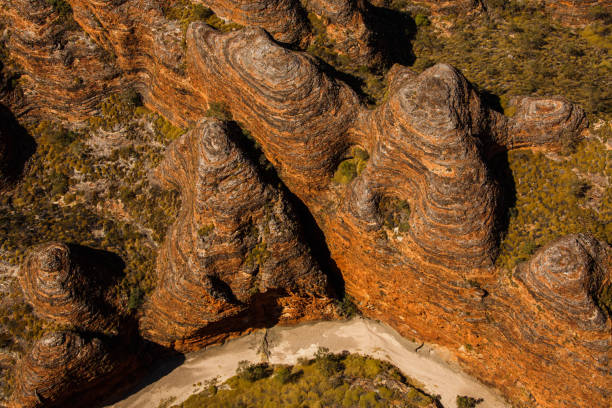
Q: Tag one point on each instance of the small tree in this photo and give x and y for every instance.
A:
(463, 401)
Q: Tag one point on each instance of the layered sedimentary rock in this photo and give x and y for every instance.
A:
(430, 143)
(348, 24)
(72, 287)
(65, 73)
(66, 369)
(285, 20)
(67, 289)
(235, 249)
(551, 315)
(126, 30)
(285, 95)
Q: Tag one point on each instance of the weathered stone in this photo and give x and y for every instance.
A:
(235, 245)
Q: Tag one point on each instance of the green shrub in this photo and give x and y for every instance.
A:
(467, 402)
(218, 110)
(353, 166)
(312, 384)
(347, 307)
(347, 171)
(252, 372)
(421, 20)
(136, 298)
(283, 375)
(206, 230)
(395, 213)
(258, 255)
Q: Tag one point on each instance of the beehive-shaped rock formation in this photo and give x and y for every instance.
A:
(235, 244)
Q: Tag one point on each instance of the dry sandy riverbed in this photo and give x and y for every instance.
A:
(286, 344)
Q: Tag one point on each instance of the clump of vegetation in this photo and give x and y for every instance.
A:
(467, 402)
(64, 11)
(252, 372)
(516, 49)
(328, 380)
(352, 166)
(117, 110)
(395, 213)
(368, 81)
(206, 230)
(218, 110)
(187, 12)
(257, 255)
(347, 307)
(551, 200)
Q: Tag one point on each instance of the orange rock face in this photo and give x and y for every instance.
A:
(283, 19)
(65, 288)
(64, 71)
(71, 287)
(65, 369)
(537, 336)
(235, 249)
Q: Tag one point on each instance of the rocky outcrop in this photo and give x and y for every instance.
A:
(284, 20)
(285, 95)
(236, 244)
(64, 287)
(552, 316)
(96, 352)
(430, 146)
(565, 276)
(65, 73)
(66, 369)
(349, 25)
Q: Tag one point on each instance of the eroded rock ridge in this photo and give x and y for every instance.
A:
(536, 335)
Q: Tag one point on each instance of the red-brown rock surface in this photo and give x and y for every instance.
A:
(66, 369)
(283, 19)
(65, 73)
(72, 287)
(235, 249)
(538, 337)
(347, 24)
(67, 289)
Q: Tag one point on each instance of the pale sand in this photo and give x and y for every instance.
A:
(286, 344)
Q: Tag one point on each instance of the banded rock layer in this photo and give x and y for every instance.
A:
(283, 19)
(65, 369)
(71, 287)
(64, 287)
(235, 249)
(65, 73)
(431, 144)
